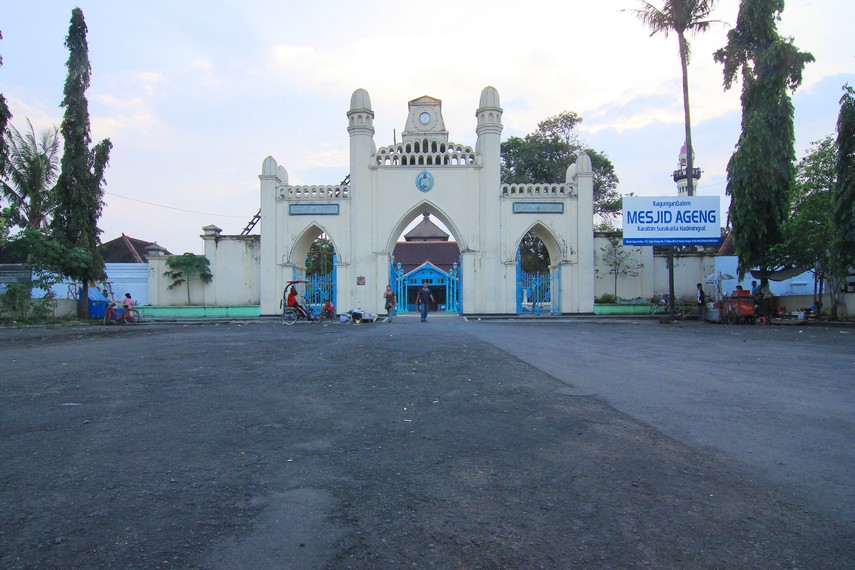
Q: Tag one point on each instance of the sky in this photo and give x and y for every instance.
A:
(195, 95)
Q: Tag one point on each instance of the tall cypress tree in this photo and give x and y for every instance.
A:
(762, 169)
(5, 117)
(843, 200)
(79, 191)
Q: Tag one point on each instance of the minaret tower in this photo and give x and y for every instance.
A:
(489, 150)
(681, 178)
(358, 259)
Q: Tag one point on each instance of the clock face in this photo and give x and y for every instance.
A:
(424, 118)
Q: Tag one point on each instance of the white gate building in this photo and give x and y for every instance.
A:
(391, 186)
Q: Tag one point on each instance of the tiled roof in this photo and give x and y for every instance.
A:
(426, 230)
(412, 254)
(126, 249)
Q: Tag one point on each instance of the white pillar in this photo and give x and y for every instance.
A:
(487, 283)
(272, 176)
(584, 294)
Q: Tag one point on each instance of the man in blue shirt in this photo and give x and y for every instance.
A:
(424, 297)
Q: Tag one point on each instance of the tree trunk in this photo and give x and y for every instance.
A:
(83, 308)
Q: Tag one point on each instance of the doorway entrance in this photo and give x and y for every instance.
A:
(444, 286)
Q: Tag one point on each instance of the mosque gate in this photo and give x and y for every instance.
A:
(459, 185)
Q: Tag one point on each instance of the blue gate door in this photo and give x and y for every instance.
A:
(538, 293)
(436, 278)
(319, 288)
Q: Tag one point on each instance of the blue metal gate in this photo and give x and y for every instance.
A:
(405, 284)
(319, 288)
(538, 293)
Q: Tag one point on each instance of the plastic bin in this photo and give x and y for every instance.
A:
(97, 303)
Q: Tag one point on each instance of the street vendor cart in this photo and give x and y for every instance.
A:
(738, 308)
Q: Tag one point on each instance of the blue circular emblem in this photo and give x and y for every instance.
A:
(424, 181)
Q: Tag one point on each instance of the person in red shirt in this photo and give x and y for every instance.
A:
(328, 309)
(292, 302)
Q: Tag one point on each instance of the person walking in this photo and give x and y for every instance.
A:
(702, 303)
(391, 303)
(423, 299)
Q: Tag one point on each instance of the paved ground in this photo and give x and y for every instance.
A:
(780, 399)
(563, 444)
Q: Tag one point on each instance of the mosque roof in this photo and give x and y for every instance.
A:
(412, 254)
(426, 230)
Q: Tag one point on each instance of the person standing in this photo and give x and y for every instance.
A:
(764, 292)
(423, 299)
(391, 303)
(702, 303)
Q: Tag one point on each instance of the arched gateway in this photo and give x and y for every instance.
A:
(426, 173)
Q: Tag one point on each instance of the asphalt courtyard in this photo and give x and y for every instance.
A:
(568, 443)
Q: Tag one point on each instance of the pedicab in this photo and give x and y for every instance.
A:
(292, 307)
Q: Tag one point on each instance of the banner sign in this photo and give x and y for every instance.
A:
(670, 220)
(538, 208)
(313, 209)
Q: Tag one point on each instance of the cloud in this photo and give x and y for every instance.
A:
(150, 81)
(35, 111)
(202, 64)
(124, 118)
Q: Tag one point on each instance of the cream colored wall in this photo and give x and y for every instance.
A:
(689, 270)
(235, 263)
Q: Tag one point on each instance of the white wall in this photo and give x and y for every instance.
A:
(234, 264)
(689, 270)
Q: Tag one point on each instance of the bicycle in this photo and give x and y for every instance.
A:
(661, 304)
(127, 316)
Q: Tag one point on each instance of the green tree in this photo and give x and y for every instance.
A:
(533, 254)
(319, 260)
(618, 261)
(681, 17)
(4, 227)
(5, 117)
(544, 156)
(31, 171)
(843, 201)
(79, 192)
(186, 267)
(27, 184)
(808, 229)
(761, 172)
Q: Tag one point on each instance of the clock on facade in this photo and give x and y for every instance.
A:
(424, 118)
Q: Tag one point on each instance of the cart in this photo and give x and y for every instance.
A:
(738, 308)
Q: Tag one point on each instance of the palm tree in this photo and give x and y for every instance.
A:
(32, 170)
(681, 17)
